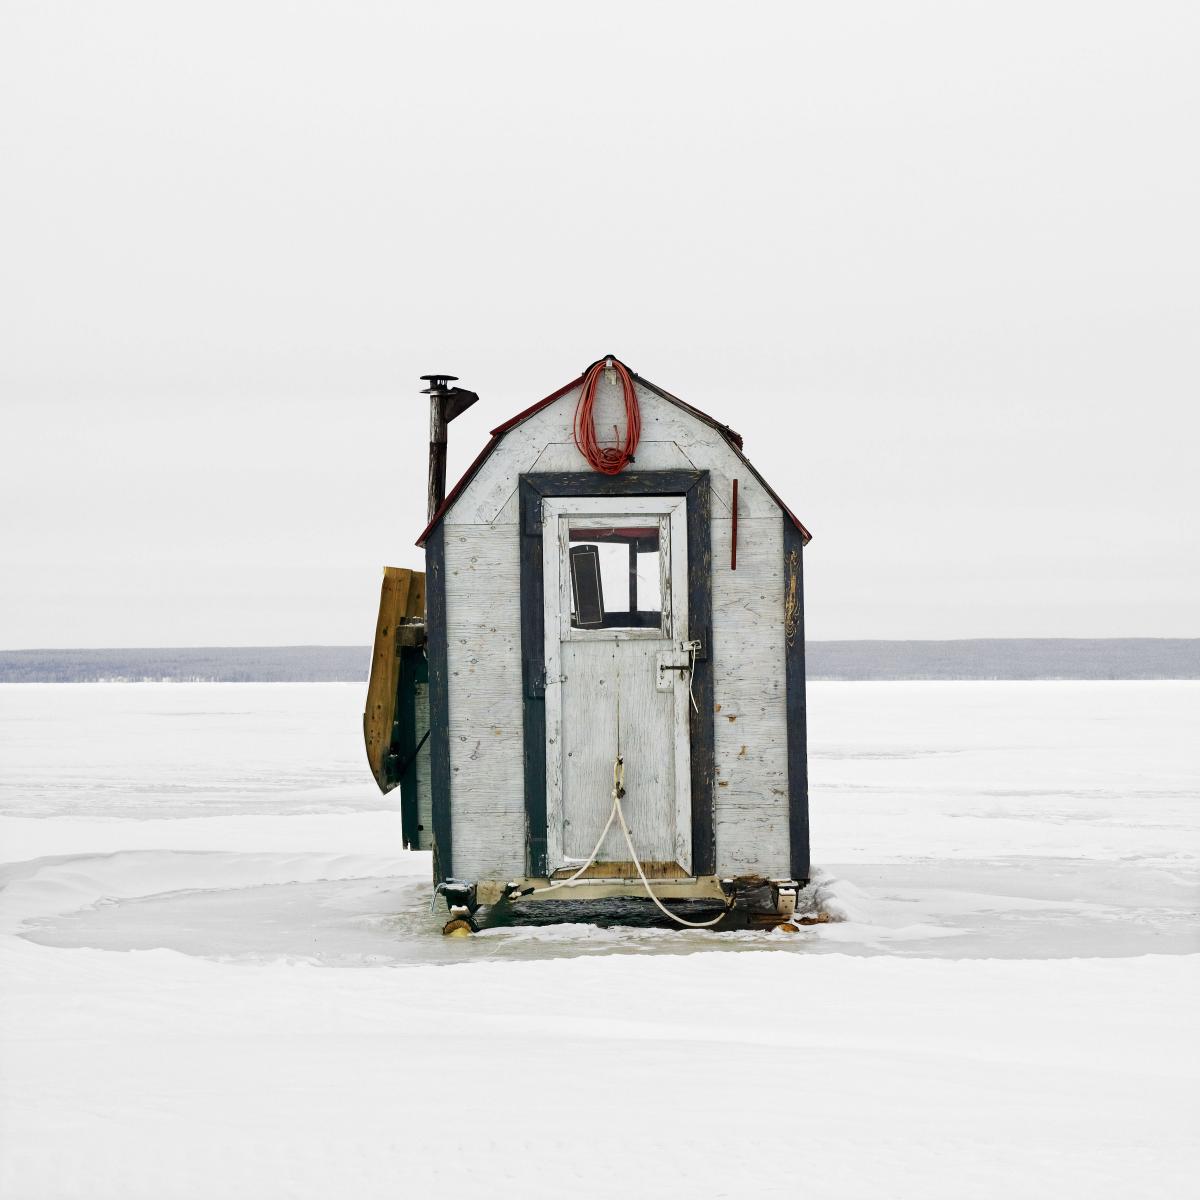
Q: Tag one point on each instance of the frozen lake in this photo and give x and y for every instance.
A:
(201, 876)
(949, 820)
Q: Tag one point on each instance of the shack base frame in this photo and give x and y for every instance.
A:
(750, 901)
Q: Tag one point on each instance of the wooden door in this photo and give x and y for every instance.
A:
(616, 622)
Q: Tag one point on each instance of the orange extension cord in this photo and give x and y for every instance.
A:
(608, 460)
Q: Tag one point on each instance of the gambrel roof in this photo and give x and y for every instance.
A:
(732, 438)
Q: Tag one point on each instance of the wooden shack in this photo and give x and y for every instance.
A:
(613, 643)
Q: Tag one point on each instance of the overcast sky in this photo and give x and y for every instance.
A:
(937, 262)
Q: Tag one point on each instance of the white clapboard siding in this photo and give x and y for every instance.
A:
(496, 481)
(751, 694)
(768, 854)
(483, 629)
(484, 651)
(563, 456)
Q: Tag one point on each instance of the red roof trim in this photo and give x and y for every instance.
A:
(733, 438)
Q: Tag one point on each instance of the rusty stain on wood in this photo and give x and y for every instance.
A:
(791, 604)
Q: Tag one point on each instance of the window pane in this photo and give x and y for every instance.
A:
(616, 575)
(649, 585)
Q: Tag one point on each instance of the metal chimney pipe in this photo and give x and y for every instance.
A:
(445, 403)
(436, 391)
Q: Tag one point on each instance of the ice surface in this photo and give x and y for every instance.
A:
(358, 911)
(204, 908)
(182, 750)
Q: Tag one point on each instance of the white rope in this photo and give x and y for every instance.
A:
(692, 647)
(618, 811)
(595, 850)
(618, 790)
(646, 883)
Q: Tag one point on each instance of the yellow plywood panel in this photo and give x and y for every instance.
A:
(401, 622)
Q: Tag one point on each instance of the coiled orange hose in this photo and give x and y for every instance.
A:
(608, 460)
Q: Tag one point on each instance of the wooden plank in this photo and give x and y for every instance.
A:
(533, 678)
(424, 840)
(415, 608)
(680, 599)
(625, 869)
(409, 759)
(750, 714)
(554, 590)
(701, 628)
(439, 704)
(401, 599)
(797, 708)
(628, 483)
(767, 855)
(404, 742)
(483, 624)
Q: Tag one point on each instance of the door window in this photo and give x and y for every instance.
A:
(617, 576)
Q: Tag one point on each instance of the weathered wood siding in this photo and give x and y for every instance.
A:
(483, 627)
(482, 565)
(751, 810)
(424, 780)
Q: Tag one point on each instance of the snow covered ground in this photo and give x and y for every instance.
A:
(221, 977)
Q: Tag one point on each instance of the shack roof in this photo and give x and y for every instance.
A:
(733, 439)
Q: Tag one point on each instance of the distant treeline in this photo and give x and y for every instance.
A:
(979, 658)
(1008, 658)
(202, 664)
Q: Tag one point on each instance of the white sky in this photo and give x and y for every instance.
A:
(937, 262)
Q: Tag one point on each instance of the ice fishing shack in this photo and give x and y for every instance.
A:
(595, 691)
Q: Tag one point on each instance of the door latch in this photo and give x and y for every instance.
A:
(671, 660)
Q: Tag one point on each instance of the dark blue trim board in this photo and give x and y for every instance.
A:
(797, 710)
(439, 704)
(694, 486)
